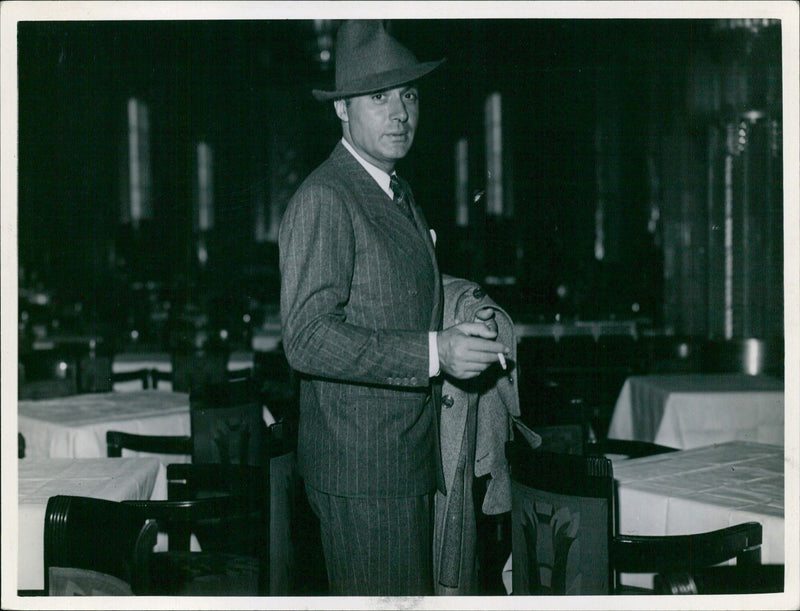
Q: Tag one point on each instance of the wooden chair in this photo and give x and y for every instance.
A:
(228, 427)
(188, 377)
(227, 424)
(157, 376)
(562, 438)
(116, 441)
(95, 370)
(624, 447)
(142, 375)
(572, 439)
(227, 509)
(191, 370)
(563, 537)
(748, 579)
(95, 547)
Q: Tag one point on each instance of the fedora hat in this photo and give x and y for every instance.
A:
(368, 59)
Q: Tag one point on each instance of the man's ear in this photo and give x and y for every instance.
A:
(341, 109)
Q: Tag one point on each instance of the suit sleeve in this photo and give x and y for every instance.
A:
(317, 252)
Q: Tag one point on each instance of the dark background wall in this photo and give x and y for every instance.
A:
(643, 105)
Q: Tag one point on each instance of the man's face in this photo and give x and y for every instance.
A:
(381, 125)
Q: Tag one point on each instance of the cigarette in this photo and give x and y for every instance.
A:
(502, 358)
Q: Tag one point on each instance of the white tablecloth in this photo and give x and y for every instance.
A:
(700, 490)
(133, 361)
(114, 479)
(705, 489)
(693, 410)
(75, 426)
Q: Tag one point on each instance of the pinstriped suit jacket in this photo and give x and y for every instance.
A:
(360, 290)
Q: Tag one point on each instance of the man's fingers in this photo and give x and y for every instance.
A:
(478, 329)
(484, 314)
(481, 346)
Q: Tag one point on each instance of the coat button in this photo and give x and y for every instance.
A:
(448, 401)
(413, 380)
(478, 293)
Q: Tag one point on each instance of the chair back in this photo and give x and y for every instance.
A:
(561, 522)
(728, 579)
(94, 373)
(116, 441)
(196, 368)
(227, 424)
(653, 554)
(227, 508)
(562, 438)
(95, 547)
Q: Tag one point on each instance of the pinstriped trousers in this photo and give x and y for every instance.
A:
(376, 546)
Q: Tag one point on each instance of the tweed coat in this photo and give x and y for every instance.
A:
(360, 290)
(477, 419)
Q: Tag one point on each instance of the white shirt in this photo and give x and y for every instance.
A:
(383, 179)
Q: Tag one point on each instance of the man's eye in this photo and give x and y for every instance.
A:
(378, 97)
(411, 95)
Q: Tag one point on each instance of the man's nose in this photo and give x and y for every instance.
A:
(397, 110)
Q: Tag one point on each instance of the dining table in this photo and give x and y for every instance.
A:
(699, 490)
(75, 427)
(704, 489)
(685, 411)
(113, 479)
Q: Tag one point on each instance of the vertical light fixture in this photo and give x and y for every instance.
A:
(203, 209)
(462, 183)
(204, 202)
(137, 204)
(493, 121)
(323, 43)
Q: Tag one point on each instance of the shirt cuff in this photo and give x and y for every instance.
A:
(433, 353)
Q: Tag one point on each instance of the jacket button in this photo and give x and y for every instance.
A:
(478, 293)
(413, 380)
(448, 401)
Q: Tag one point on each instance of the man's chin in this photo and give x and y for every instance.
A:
(397, 152)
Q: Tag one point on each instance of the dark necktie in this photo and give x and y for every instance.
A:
(402, 195)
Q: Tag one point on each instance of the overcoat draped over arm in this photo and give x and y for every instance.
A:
(478, 417)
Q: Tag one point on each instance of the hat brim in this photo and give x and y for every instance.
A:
(379, 82)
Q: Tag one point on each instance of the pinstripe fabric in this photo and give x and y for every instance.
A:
(376, 547)
(360, 289)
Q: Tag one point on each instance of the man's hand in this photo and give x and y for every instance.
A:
(467, 349)
(486, 316)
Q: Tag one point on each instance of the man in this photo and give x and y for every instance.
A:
(361, 307)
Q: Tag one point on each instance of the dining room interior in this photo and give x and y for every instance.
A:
(615, 185)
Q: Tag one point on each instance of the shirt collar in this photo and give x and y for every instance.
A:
(381, 177)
